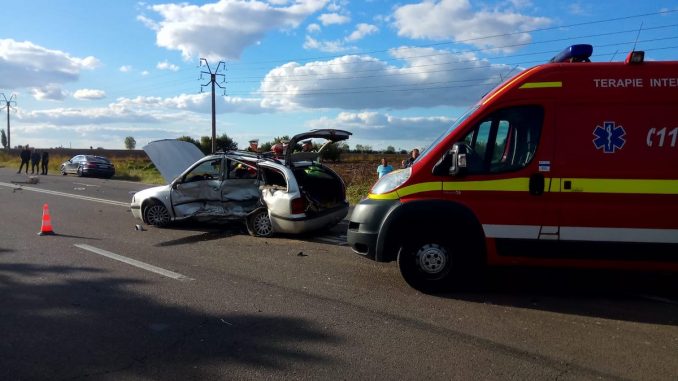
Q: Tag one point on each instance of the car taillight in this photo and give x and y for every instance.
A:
(298, 205)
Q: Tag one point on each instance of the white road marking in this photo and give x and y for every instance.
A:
(87, 185)
(100, 200)
(657, 298)
(134, 262)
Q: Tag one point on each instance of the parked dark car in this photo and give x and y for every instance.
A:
(88, 165)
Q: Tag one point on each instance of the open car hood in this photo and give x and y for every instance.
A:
(172, 156)
(331, 135)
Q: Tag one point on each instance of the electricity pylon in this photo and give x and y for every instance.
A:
(8, 105)
(213, 82)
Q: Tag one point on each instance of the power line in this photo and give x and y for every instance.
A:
(659, 13)
(249, 64)
(405, 87)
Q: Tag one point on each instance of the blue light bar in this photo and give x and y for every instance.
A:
(574, 53)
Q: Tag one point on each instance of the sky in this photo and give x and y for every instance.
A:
(89, 73)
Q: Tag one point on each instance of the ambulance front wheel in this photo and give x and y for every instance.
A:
(426, 264)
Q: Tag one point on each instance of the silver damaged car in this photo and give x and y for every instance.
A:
(290, 192)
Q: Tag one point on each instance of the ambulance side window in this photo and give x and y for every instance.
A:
(504, 141)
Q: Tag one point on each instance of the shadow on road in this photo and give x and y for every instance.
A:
(207, 231)
(644, 297)
(61, 322)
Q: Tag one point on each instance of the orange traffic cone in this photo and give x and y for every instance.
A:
(46, 228)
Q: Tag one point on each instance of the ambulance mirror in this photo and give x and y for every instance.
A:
(443, 166)
(460, 159)
(453, 162)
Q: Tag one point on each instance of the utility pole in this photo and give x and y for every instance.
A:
(213, 82)
(8, 105)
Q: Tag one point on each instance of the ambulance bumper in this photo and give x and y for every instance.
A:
(364, 226)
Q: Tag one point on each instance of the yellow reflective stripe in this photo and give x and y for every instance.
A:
(552, 185)
(540, 85)
(631, 186)
(511, 185)
(419, 188)
(385, 196)
(509, 83)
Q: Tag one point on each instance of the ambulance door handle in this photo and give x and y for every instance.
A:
(537, 184)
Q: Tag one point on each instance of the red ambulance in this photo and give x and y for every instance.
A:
(569, 163)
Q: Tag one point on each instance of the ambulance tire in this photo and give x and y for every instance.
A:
(426, 264)
(433, 264)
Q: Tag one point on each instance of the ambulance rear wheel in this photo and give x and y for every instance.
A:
(427, 264)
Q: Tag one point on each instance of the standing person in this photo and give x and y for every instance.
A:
(413, 157)
(25, 156)
(254, 145)
(35, 161)
(306, 146)
(45, 162)
(384, 168)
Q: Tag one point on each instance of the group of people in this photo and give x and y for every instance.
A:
(39, 162)
(385, 167)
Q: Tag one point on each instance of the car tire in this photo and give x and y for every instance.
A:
(79, 172)
(156, 214)
(63, 171)
(259, 223)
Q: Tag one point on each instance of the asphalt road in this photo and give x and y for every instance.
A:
(87, 304)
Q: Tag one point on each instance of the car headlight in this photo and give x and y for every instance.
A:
(391, 181)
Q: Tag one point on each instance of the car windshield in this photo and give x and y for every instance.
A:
(449, 130)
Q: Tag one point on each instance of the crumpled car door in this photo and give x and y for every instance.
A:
(240, 188)
(198, 192)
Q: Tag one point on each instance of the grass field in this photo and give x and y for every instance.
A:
(359, 171)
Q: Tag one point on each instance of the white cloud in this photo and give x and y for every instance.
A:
(167, 66)
(334, 7)
(222, 30)
(24, 65)
(149, 23)
(50, 92)
(521, 3)
(578, 9)
(142, 109)
(325, 46)
(426, 77)
(89, 94)
(456, 20)
(385, 129)
(126, 68)
(361, 31)
(333, 19)
(145, 73)
(200, 103)
(313, 28)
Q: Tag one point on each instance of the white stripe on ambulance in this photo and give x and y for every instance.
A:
(572, 233)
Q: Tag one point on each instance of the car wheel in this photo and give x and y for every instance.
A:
(79, 172)
(156, 214)
(259, 223)
(63, 170)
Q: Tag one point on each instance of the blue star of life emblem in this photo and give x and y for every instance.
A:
(609, 137)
